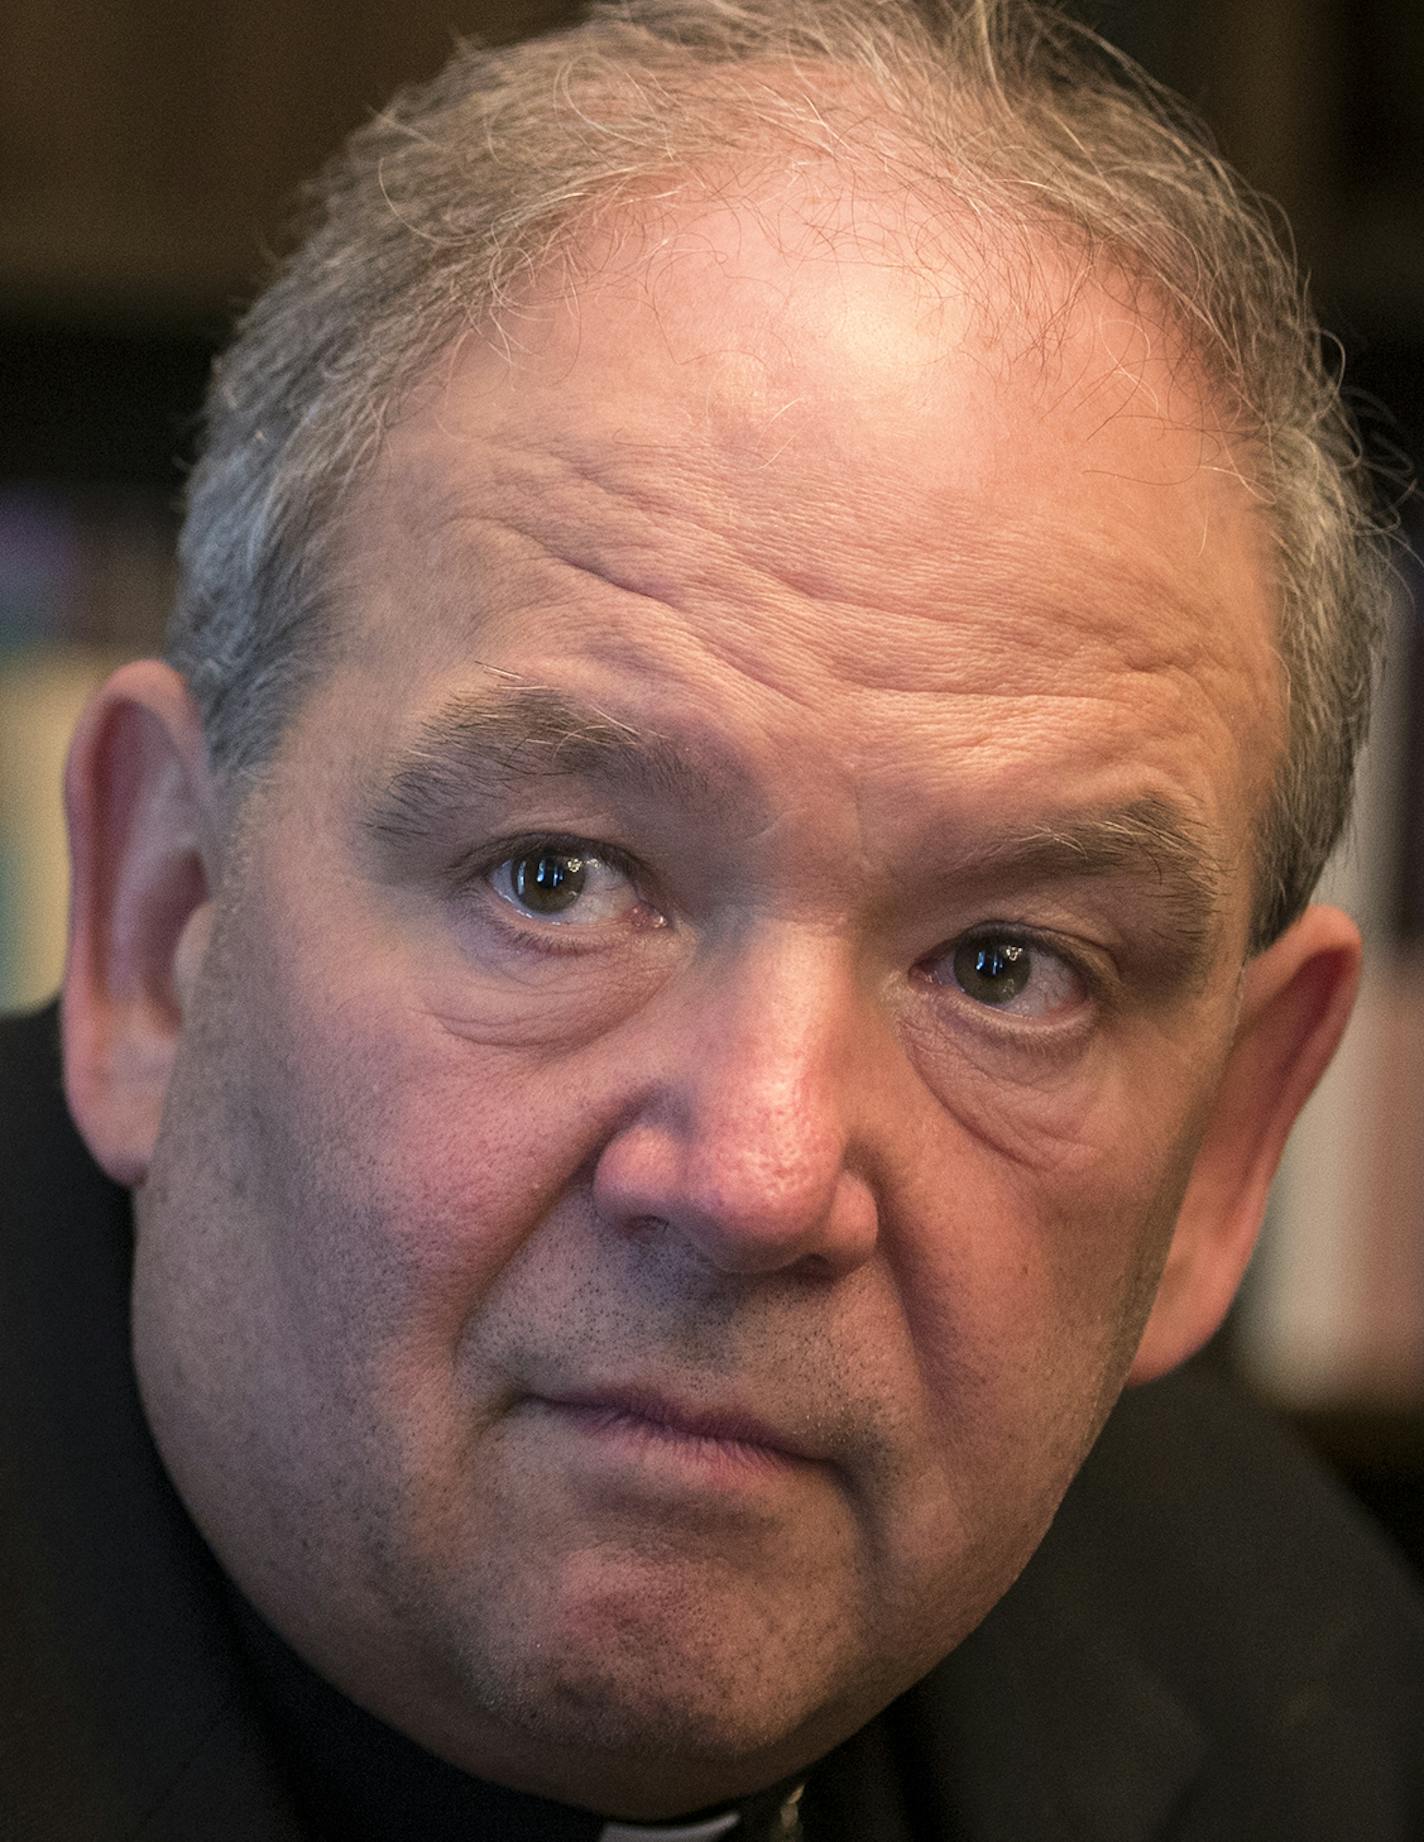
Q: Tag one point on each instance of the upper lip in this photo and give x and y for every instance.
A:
(716, 1422)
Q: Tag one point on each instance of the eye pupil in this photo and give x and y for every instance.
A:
(993, 971)
(547, 882)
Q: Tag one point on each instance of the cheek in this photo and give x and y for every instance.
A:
(418, 1165)
(1027, 1272)
(340, 1190)
(416, 1125)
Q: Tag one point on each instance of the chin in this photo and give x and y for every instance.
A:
(586, 1710)
(649, 1757)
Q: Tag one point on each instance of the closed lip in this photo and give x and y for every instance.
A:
(728, 1424)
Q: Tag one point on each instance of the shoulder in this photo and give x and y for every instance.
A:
(46, 1173)
(1193, 1483)
(64, 1227)
(1269, 1602)
(65, 1235)
(31, 1090)
(122, 1710)
(1211, 1631)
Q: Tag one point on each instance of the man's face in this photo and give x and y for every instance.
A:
(705, 1030)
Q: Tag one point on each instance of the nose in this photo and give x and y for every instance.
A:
(748, 1141)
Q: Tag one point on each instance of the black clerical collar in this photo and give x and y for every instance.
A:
(355, 1779)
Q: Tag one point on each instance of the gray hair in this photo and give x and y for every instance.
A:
(441, 208)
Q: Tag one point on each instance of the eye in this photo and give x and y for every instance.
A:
(568, 886)
(1022, 978)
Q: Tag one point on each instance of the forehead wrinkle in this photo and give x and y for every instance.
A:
(1137, 613)
(828, 548)
(647, 520)
(613, 508)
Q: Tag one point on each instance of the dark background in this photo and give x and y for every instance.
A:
(149, 151)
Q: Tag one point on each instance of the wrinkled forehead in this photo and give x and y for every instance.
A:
(780, 427)
(877, 354)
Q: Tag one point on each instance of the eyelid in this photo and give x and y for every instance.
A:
(486, 857)
(1090, 975)
(471, 877)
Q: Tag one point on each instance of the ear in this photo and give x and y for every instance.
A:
(141, 839)
(1296, 1000)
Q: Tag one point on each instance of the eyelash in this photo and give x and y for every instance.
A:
(472, 872)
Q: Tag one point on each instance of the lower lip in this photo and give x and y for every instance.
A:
(656, 1445)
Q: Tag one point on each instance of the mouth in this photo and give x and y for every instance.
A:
(725, 1435)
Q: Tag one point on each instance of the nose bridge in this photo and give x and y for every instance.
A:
(748, 1145)
(770, 1070)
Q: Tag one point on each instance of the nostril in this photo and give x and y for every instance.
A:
(647, 1224)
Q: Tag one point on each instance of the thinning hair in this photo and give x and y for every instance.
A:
(442, 210)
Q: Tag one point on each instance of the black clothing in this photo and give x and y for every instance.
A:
(354, 1779)
(1210, 1646)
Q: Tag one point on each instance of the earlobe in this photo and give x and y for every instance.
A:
(141, 831)
(1296, 1000)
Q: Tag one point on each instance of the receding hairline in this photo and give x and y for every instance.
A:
(1029, 264)
(453, 194)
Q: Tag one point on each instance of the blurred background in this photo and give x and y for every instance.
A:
(149, 153)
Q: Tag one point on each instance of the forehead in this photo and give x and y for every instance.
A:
(772, 442)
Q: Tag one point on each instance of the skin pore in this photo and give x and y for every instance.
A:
(680, 1099)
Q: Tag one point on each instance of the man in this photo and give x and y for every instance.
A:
(700, 950)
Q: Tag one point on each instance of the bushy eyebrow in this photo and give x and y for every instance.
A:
(477, 747)
(1150, 839)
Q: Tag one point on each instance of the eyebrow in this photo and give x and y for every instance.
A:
(1151, 839)
(480, 746)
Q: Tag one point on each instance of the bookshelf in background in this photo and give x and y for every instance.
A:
(85, 581)
(1334, 1311)
(1330, 1327)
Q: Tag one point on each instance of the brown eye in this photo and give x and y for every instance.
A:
(992, 971)
(566, 885)
(547, 882)
(1024, 978)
